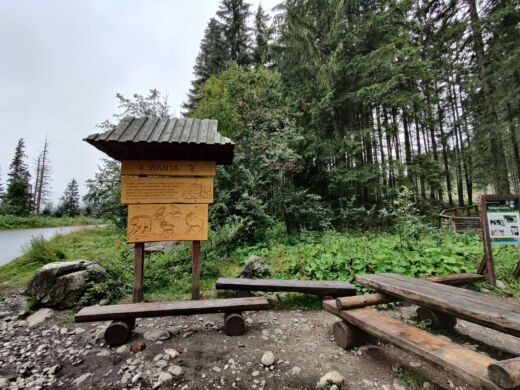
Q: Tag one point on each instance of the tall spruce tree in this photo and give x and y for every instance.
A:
(262, 31)
(233, 15)
(211, 60)
(69, 202)
(17, 199)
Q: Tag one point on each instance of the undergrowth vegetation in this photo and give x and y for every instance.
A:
(328, 255)
(16, 222)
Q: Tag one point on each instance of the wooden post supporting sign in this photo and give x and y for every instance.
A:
(138, 271)
(195, 271)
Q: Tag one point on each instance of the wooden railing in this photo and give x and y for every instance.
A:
(453, 217)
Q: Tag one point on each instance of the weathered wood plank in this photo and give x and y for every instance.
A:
(492, 312)
(464, 363)
(168, 168)
(167, 222)
(145, 190)
(333, 288)
(450, 292)
(456, 279)
(156, 309)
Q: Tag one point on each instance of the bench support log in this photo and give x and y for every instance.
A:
(437, 319)
(345, 303)
(348, 336)
(234, 324)
(118, 332)
(506, 373)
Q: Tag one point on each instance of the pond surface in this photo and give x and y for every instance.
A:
(13, 242)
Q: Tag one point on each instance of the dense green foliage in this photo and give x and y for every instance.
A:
(8, 222)
(380, 95)
(330, 255)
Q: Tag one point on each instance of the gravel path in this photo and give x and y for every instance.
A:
(196, 354)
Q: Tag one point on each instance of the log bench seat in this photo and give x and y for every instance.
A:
(315, 287)
(440, 300)
(469, 366)
(124, 315)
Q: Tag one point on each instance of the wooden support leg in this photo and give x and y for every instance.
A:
(234, 324)
(138, 272)
(438, 320)
(347, 335)
(195, 271)
(118, 332)
(506, 373)
(482, 266)
(516, 273)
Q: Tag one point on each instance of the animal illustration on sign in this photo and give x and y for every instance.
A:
(172, 211)
(193, 223)
(197, 191)
(141, 224)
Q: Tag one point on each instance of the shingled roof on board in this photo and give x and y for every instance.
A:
(154, 138)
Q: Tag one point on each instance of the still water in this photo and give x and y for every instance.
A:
(13, 242)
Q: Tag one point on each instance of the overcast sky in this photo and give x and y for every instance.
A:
(62, 62)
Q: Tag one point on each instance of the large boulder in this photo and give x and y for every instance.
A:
(61, 285)
(256, 267)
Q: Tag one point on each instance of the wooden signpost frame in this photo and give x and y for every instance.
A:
(487, 264)
(148, 172)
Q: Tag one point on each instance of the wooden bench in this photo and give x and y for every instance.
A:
(442, 301)
(124, 315)
(316, 287)
(461, 362)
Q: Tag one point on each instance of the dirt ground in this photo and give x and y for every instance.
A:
(59, 354)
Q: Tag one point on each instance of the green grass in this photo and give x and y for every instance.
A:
(8, 222)
(330, 255)
(412, 379)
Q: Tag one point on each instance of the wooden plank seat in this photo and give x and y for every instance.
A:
(316, 287)
(124, 315)
(456, 279)
(461, 362)
(480, 308)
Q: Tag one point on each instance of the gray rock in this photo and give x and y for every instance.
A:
(500, 285)
(163, 378)
(333, 376)
(79, 380)
(4, 383)
(176, 370)
(39, 317)
(158, 247)
(61, 285)
(295, 371)
(156, 334)
(268, 359)
(255, 267)
(172, 353)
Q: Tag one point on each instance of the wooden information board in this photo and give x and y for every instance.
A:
(500, 224)
(138, 190)
(168, 168)
(164, 222)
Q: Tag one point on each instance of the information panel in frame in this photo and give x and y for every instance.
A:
(137, 190)
(168, 168)
(167, 222)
